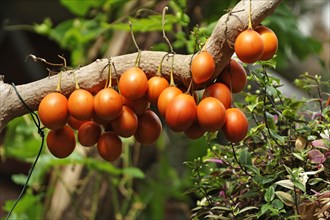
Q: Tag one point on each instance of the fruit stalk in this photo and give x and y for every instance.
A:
(250, 15)
(138, 57)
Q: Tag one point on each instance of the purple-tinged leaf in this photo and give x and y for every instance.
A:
(319, 144)
(215, 160)
(315, 156)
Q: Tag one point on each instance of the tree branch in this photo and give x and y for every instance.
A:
(220, 45)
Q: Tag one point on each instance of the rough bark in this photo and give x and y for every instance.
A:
(90, 76)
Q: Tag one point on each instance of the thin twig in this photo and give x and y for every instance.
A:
(163, 27)
(138, 58)
(37, 122)
(42, 60)
(239, 164)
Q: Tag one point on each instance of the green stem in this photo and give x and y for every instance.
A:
(190, 87)
(20, 27)
(127, 180)
(138, 57)
(95, 198)
(250, 15)
(163, 27)
(237, 161)
(199, 178)
(159, 69)
(109, 74)
(320, 96)
(115, 203)
(171, 72)
(58, 88)
(117, 76)
(295, 201)
(218, 155)
(75, 80)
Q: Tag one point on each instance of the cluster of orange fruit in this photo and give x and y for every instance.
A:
(258, 44)
(215, 111)
(102, 119)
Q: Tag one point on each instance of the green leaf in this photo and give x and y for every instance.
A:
(246, 209)
(178, 5)
(268, 63)
(209, 136)
(222, 208)
(100, 165)
(29, 207)
(271, 91)
(200, 213)
(253, 169)
(21, 140)
(289, 171)
(268, 179)
(80, 7)
(212, 216)
(76, 34)
(314, 181)
(44, 28)
(278, 137)
(286, 198)
(253, 106)
(252, 99)
(293, 217)
(133, 172)
(300, 185)
(245, 158)
(46, 161)
(257, 177)
(270, 194)
(265, 208)
(288, 113)
(19, 179)
(78, 56)
(59, 31)
(152, 23)
(270, 121)
(250, 194)
(299, 156)
(326, 111)
(294, 104)
(286, 184)
(277, 204)
(257, 129)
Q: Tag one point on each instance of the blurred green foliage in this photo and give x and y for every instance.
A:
(291, 41)
(22, 139)
(29, 207)
(101, 18)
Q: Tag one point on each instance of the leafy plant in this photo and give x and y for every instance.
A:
(280, 167)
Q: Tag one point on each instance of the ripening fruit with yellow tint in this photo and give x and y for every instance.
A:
(270, 42)
(249, 46)
(202, 67)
